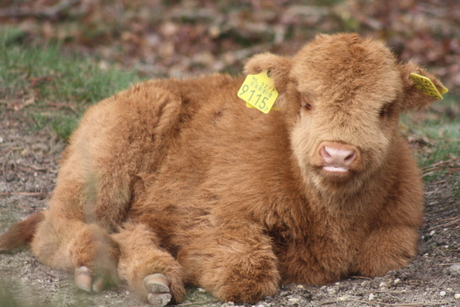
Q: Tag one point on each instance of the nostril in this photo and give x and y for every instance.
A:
(325, 153)
(350, 157)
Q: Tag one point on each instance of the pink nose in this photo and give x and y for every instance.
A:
(337, 157)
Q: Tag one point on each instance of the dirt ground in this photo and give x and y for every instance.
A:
(28, 169)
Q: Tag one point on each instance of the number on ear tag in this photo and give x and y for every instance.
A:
(258, 92)
(426, 86)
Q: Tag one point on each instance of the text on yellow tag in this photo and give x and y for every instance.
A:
(258, 92)
(425, 85)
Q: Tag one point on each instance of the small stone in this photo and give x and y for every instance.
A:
(201, 290)
(284, 293)
(397, 281)
(371, 297)
(457, 296)
(295, 301)
(442, 293)
(40, 147)
(454, 269)
(343, 298)
(331, 290)
(383, 285)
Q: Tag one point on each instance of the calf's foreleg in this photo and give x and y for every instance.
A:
(72, 245)
(234, 261)
(386, 248)
(150, 271)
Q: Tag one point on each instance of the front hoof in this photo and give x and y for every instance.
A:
(83, 278)
(157, 286)
(86, 281)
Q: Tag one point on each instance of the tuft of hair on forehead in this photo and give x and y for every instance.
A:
(343, 65)
(346, 41)
(347, 52)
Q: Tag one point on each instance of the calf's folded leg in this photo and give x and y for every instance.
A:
(150, 271)
(99, 179)
(72, 245)
(234, 261)
(386, 249)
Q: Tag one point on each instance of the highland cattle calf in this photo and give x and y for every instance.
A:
(176, 182)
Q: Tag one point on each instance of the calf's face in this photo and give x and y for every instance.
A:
(342, 96)
(347, 117)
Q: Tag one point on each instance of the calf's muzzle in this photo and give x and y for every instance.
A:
(338, 157)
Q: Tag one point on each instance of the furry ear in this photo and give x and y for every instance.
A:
(278, 66)
(413, 97)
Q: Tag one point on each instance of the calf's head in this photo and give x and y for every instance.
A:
(341, 96)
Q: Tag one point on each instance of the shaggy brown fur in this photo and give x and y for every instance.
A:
(178, 177)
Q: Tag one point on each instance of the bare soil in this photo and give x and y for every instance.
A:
(28, 169)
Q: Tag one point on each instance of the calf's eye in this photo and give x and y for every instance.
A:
(306, 103)
(384, 111)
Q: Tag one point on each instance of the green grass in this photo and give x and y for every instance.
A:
(53, 88)
(438, 135)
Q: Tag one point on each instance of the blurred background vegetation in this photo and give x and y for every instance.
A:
(181, 38)
(59, 56)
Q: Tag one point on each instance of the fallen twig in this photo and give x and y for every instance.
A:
(430, 169)
(35, 194)
(35, 168)
(440, 163)
(198, 303)
(50, 12)
(360, 277)
(454, 221)
(388, 304)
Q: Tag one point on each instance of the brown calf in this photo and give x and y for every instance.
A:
(177, 181)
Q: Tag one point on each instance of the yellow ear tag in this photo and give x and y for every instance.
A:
(427, 87)
(258, 92)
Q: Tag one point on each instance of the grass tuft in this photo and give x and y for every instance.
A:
(53, 88)
(435, 134)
